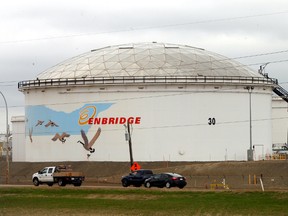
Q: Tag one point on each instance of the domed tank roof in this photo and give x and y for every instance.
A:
(147, 59)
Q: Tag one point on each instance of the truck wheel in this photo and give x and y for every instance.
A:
(61, 183)
(36, 182)
(77, 184)
(125, 183)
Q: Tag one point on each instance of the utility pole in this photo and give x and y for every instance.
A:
(250, 156)
(128, 138)
(7, 140)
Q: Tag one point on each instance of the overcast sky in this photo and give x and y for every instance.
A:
(36, 35)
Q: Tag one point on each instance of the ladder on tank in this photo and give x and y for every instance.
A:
(281, 92)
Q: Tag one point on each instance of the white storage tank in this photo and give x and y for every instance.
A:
(183, 104)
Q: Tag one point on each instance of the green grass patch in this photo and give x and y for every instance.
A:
(126, 201)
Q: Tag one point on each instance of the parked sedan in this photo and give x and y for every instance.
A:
(136, 178)
(166, 180)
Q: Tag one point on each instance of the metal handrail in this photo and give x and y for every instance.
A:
(281, 92)
(118, 80)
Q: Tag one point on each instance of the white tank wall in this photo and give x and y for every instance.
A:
(174, 123)
(18, 140)
(280, 123)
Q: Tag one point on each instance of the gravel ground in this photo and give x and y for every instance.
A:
(200, 175)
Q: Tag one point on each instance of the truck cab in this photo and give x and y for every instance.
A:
(57, 174)
(44, 175)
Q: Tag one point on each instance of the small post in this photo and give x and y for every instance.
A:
(7, 141)
(262, 186)
(130, 144)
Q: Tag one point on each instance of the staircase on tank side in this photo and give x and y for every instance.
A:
(281, 92)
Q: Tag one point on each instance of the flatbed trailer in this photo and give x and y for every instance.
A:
(61, 175)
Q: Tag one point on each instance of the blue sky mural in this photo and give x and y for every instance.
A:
(44, 121)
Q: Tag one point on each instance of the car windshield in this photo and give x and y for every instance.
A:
(148, 172)
(44, 170)
(174, 175)
(139, 172)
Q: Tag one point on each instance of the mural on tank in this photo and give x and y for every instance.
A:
(60, 126)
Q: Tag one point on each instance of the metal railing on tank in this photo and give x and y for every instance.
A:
(120, 80)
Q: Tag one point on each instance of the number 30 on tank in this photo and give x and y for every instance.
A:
(211, 121)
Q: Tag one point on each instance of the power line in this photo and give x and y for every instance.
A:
(261, 54)
(247, 56)
(232, 66)
(183, 125)
(7, 81)
(146, 28)
(271, 62)
(113, 100)
(8, 84)
(2, 83)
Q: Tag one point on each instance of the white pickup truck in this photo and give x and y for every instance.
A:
(57, 174)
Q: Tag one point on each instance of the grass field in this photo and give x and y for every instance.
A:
(141, 201)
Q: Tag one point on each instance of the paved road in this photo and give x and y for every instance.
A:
(69, 186)
(100, 187)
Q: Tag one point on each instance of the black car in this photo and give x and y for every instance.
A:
(166, 180)
(136, 178)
